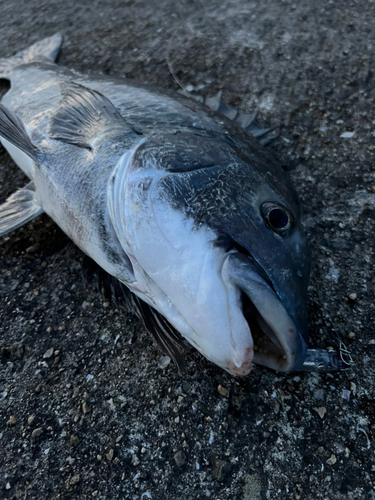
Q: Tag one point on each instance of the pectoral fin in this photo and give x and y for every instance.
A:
(19, 208)
(13, 130)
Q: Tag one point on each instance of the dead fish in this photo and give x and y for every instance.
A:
(177, 203)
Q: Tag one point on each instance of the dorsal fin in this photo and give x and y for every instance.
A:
(244, 120)
(85, 116)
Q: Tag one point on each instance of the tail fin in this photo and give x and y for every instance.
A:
(47, 48)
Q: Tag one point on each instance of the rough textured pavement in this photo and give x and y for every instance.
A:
(88, 406)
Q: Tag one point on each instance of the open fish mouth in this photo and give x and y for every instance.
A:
(267, 347)
(277, 343)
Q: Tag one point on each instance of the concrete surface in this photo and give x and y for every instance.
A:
(88, 407)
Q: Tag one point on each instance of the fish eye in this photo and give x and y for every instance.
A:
(277, 217)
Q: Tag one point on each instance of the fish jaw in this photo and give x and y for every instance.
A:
(242, 370)
(277, 342)
(226, 338)
(185, 283)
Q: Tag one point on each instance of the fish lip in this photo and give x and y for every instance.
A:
(257, 290)
(244, 368)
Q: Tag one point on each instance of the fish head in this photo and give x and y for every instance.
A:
(217, 247)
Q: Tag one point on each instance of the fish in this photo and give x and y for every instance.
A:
(181, 207)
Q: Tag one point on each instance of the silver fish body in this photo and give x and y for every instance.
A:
(176, 202)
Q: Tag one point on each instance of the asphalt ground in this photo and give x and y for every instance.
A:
(89, 408)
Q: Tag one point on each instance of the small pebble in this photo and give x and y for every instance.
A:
(164, 361)
(74, 440)
(351, 335)
(340, 448)
(345, 394)
(110, 454)
(347, 135)
(31, 419)
(75, 479)
(135, 459)
(180, 458)
(332, 460)
(223, 391)
(49, 353)
(352, 296)
(12, 420)
(321, 411)
(37, 432)
(85, 408)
